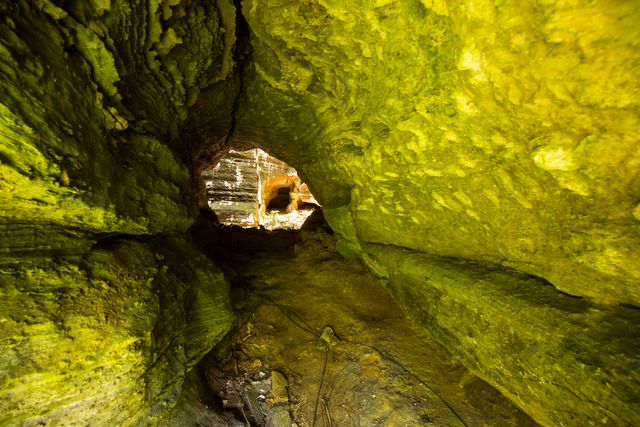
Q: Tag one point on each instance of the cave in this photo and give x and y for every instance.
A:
(472, 257)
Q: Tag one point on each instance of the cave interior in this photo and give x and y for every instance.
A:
(319, 213)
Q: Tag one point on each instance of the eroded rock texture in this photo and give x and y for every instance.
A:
(100, 321)
(106, 337)
(508, 131)
(564, 360)
(503, 133)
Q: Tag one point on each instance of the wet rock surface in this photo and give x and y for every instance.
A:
(340, 350)
(449, 141)
(108, 336)
(562, 359)
(451, 138)
(106, 305)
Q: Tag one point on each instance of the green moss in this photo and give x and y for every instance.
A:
(494, 132)
(478, 125)
(560, 358)
(64, 157)
(169, 40)
(34, 188)
(73, 334)
(99, 58)
(500, 133)
(95, 327)
(95, 336)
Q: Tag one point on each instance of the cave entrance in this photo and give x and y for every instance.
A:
(253, 189)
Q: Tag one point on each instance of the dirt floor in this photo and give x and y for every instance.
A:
(319, 342)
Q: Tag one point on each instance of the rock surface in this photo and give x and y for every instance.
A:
(481, 157)
(498, 134)
(565, 360)
(329, 328)
(492, 131)
(107, 336)
(101, 320)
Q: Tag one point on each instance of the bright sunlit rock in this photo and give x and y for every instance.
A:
(252, 189)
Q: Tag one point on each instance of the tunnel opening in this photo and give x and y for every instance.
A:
(252, 189)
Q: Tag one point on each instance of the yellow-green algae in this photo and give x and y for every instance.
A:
(100, 320)
(565, 360)
(107, 338)
(500, 132)
(507, 130)
(64, 112)
(504, 133)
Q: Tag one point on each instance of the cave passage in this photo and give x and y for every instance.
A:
(319, 342)
(251, 188)
(475, 260)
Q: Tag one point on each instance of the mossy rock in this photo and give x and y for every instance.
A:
(107, 338)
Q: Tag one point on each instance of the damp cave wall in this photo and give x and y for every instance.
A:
(483, 159)
(106, 303)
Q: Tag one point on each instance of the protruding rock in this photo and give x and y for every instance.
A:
(279, 387)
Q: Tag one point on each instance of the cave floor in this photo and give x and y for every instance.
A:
(349, 355)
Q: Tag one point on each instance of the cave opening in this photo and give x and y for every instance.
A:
(252, 189)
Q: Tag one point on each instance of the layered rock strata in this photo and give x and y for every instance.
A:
(101, 317)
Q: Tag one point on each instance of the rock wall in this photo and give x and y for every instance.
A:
(565, 360)
(510, 131)
(101, 320)
(106, 337)
(504, 134)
